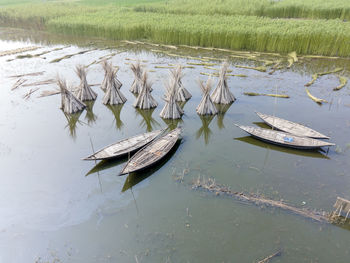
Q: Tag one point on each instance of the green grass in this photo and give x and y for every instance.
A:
(195, 22)
(235, 32)
(314, 9)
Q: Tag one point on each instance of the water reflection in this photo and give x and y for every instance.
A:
(307, 153)
(72, 120)
(135, 178)
(182, 104)
(262, 125)
(107, 164)
(90, 116)
(172, 124)
(205, 130)
(147, 120)
(222, 109)
(116, 110)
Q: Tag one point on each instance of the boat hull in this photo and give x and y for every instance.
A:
(291, 127)
(152, 153)
(124, 147)
(284, 139)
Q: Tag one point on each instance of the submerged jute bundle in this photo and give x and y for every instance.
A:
(113, 95)
(171, 109)
(181, 93)
(206, 105)
(69, 103)
(137, 84)
(145, 99)
(84, 91)
(222, 93)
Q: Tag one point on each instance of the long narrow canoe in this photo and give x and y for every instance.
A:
(284, 139)
(152, 153)
(290, 127)
(124, 147)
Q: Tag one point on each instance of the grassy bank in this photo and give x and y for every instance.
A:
(312, 9)
(190, 23)
(234, 32)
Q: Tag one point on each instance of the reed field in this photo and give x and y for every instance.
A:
(313, 9)
(197, 22)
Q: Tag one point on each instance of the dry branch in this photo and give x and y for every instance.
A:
(17, 50)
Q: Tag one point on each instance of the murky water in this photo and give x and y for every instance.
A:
(52, 209)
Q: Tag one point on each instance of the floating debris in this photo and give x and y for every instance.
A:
(268, 258)
(18, 83)
(292, 58)
(211, 186)
(330, 72)
(113, 94)
(314, 56)
(29, 93)
(342, 211)
(33, 74)
(182, 94)
(317, 100)
(163, 66)
(314, 78)
(47, 93)
(269, 95)
(171, 109)
(84, 91)
(137, 70)
(206, 105)
(69, 103)
(276, 67)
(40, 83)
(343, 81)
(260, 68)
(17, 50)
(201, 64)
(145, 99)
(71, 55)
(222, 93)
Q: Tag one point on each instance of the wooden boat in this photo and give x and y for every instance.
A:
(290, 127)
(284, 139)
(125, 146)
(152, 153)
